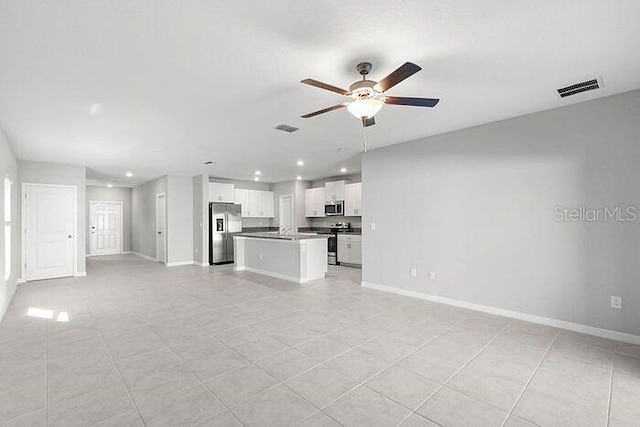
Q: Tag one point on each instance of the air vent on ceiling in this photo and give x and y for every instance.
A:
(575, 88)
(286, 128)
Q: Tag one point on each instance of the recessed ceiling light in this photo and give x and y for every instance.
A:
(258, 173)
(128, 174)
(299, 178)
(256, 179)
(343, 170)
(300, 163)
(95, 109)
(340, 149)
(109, 185)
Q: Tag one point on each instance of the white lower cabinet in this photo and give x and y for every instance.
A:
(350, 249)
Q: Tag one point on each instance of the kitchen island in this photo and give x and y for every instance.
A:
(299, 258)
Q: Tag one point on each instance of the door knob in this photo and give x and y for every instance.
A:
(69, 236)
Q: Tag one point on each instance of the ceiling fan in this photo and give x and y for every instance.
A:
(369, 96)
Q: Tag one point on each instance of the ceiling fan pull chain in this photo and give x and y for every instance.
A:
(364, 138)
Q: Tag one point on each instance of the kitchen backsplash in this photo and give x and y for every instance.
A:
(356, 221)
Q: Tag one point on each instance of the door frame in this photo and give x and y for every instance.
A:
(281, 198)
(166, 255)
(117, 202)
(23, 225)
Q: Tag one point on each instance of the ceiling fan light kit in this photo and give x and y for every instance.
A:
(368, 95)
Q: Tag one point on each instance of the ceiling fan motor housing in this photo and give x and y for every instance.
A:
(364, 89)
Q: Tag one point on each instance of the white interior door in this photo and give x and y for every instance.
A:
(106, 228)
(286, 213)
(49, 213)
(161, 228)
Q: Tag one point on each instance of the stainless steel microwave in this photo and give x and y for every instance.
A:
(334, 208)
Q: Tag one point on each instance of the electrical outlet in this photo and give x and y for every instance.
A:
(432, 275)
(373, 226)
(413, 272)
(616, 302)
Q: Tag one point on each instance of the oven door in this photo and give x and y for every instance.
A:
(332, 250)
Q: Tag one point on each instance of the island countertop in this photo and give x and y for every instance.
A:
(277, 236)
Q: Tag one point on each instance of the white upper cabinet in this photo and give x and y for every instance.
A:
(334, 191)
(261, 204)
(314, 202)
(242, 199)
(221, 192)
(353, 199)
(255, 203)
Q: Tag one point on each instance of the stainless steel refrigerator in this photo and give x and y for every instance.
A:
(225, 221)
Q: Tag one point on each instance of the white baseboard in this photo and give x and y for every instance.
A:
(272, 274)
(80, 274)
(547, 321)
(179, 263)
(21, 281)
(201, 264)
(143, 256)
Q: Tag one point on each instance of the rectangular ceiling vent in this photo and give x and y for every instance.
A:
(584, 86)
(286, 128)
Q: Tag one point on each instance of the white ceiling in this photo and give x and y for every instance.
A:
(181, 82)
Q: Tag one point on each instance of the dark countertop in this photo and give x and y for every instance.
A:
(275, 236)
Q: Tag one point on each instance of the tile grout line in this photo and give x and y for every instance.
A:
(363, 383)
(457, 372)
(611, 389)
(199, 380)
(282, 383)
(124, 383)
(535, 370)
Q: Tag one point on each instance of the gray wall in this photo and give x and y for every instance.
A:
(53, 173)
(114, 194)
(8, 169)
(200, 219)
(477, 208)
(179, 219)
(143, 216)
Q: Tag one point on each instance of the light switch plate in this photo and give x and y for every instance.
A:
(373, 226)
(413, 271)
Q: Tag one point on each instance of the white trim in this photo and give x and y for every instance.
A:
(179, 263)
(23, 226)
(272, 274)
(150, 258)
(561, 324)
(21, 281)
(166, 222)
(201, 264)
(80, 274)
(119, 202)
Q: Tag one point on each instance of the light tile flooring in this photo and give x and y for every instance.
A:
(207, 346)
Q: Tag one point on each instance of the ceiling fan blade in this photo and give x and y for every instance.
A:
(404, 72)
(414, 102)
(325, 110)
(368, 122)
(325, 86)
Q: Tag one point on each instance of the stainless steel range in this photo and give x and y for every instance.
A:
(332, 249)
